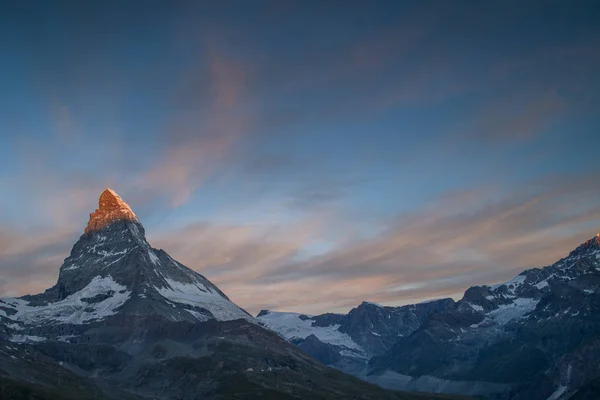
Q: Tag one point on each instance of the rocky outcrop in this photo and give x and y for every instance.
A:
(111, 208)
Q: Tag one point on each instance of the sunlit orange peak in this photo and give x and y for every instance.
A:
(111, 208)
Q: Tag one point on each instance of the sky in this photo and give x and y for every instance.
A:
(304, 155)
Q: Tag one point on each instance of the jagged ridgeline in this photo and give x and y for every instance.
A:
(127, 321)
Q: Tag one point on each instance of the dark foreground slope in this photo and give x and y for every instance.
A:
(150, 358)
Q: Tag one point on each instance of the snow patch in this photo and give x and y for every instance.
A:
(137, 234)
(153, 258)
(73, 309)
(105, 253)
(557, 393)
(114, 261)
(517, 309)
(290, 326)
(199, 295)
(512, 284)
(541, 284)
(15, 327)
(65, 338)
(26, 338)
(476, 307)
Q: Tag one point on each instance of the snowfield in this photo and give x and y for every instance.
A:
(74, 309)
(516, 310)
(197, 294)
(291, 326)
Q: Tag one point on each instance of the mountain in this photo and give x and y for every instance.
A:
(127, 321)
(367, 330)
(112, 267)
(536, 336)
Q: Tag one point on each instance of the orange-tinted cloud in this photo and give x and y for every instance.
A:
(479, 236)
(30, 261)
(466, 238)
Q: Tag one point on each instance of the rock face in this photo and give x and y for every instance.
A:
(377, 328)
(531, 334)
(533, 337)
(127, 321)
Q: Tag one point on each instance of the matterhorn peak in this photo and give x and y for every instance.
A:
(112, 269)
(111, 208)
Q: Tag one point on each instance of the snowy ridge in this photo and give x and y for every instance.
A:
(514, 283)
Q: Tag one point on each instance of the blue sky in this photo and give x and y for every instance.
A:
(304, 156)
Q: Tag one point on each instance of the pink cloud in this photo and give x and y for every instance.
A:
(463, 239)
(199, 140)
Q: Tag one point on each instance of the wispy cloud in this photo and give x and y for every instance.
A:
(463, 238)
(30, 261)
(202, 133)
(517, 116)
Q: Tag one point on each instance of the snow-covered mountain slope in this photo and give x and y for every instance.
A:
(295, 327)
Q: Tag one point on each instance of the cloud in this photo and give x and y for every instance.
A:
(423, 244)
(29, 262)
(239, 252)
(515, 117)
(202, 132)
(64, 123)
(321, 193)
(274, 114)
(479, 236)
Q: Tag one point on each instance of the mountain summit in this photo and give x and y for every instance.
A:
(111, 208)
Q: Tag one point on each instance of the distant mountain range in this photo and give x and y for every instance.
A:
(127, 321)
(534, 337)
